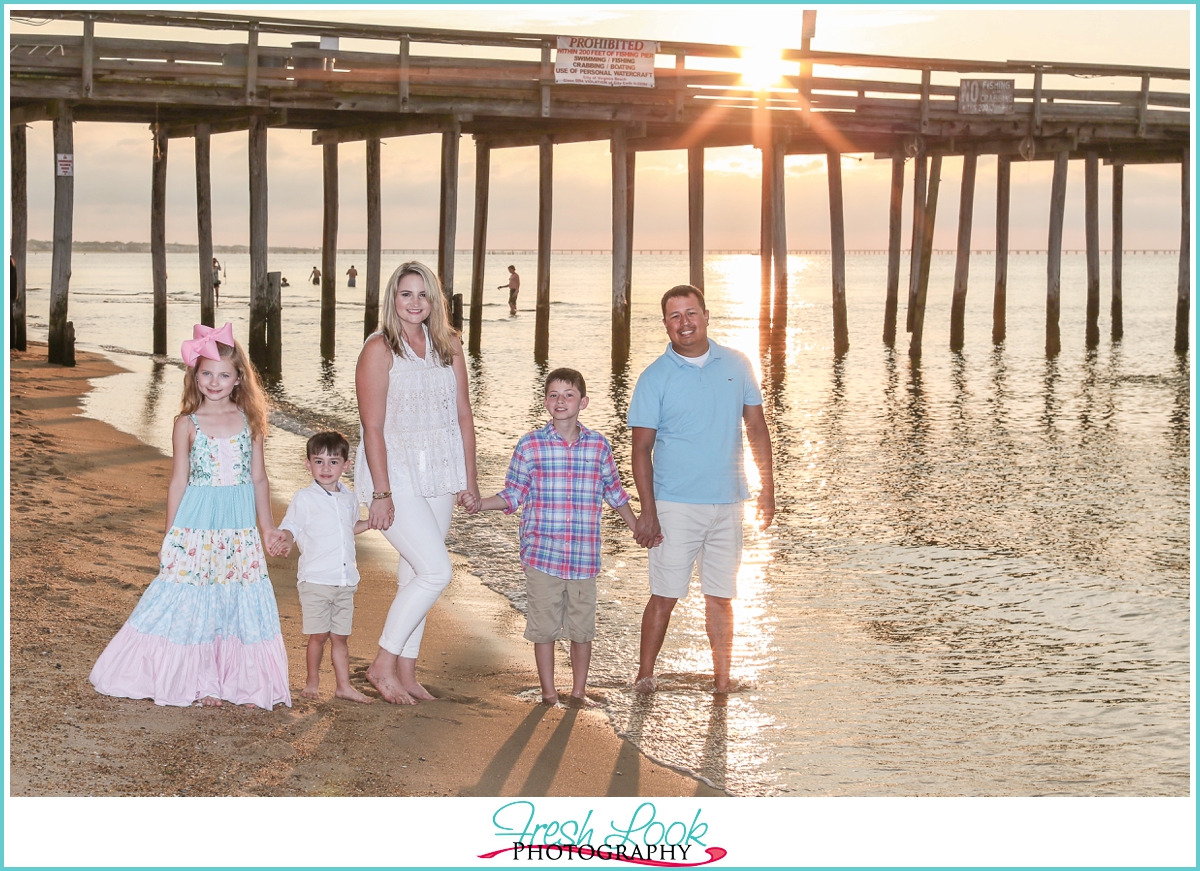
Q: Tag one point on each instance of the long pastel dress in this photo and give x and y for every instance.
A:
(208, 624)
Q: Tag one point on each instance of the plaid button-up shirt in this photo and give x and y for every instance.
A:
(560, 489)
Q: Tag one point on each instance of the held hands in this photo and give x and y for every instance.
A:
(646, 530)
(276, 542)
(469, 500)
(381, 513)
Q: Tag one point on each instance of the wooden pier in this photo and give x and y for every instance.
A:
(223, 77)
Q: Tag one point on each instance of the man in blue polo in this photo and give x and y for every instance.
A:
(686, 414)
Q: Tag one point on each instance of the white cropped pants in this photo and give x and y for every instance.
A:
(419, 535)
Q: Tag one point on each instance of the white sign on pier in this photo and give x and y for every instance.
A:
(593, 60)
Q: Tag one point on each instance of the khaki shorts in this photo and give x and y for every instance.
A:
(326, 608)
(554, 603)
(707, 536)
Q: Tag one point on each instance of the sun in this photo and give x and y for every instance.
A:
(763, 67)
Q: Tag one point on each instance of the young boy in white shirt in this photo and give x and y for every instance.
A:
(323, 520)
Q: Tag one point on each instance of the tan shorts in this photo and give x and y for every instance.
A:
(707, 536)
(557, 604)
(326, 608)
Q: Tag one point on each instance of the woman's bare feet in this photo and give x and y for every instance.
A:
(352, 695)
(406, 675)
(211, 702)
(580, 702)
(391, 691)
(550, 701)
(310, 692)
(645, 685)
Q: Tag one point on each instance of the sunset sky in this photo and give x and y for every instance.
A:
(113, 162)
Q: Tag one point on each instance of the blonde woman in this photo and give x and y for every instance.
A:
(416, 459)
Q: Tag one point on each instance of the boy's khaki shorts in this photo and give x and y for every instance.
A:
(326, 608)
(554, 603)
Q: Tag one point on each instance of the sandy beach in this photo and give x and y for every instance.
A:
(86, 514)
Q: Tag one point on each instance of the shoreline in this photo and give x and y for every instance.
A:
(86, 508)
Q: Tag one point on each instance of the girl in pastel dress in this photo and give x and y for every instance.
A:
(207, 628)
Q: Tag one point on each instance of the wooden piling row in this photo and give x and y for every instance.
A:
(920, 175)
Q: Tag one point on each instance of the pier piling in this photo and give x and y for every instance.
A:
(257, 340)
(448, 214)
(483, 170)
(929, 215)
(1091, 196)
(374, 238)
(204, 243)
(918, 235)
(19, 236)
(329, 237)
(779, 314)
(274, 308)
(962, 263)
(1058, 201)
(766, 220)
(1184, 299)
(696, 216)
(1000, 294)
(61, 340)
(621, 249)
(158, 238)
(1118, 244)
(837, 254)
(541, 330)
(895, 209)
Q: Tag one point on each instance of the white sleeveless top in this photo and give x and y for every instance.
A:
(420, 428)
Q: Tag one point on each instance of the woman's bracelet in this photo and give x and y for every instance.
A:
(386, 494)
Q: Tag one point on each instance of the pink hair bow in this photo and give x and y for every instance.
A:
(203, 343)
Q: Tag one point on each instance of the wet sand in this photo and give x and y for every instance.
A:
(87, 505)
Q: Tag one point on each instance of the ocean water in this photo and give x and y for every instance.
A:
(979, 578)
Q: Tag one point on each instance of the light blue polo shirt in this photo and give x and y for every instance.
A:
(697, 413)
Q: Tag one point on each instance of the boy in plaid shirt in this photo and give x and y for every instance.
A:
(560, 476)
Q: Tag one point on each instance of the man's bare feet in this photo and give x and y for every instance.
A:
(211, 702)
(352, 695)
(645, 685)
(392, 692)
(310, 692)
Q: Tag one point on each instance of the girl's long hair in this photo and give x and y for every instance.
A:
(247, 395)
(441, 334)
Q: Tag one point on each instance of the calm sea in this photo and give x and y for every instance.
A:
(979, 578)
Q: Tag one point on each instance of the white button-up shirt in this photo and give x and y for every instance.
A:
(323, 526)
